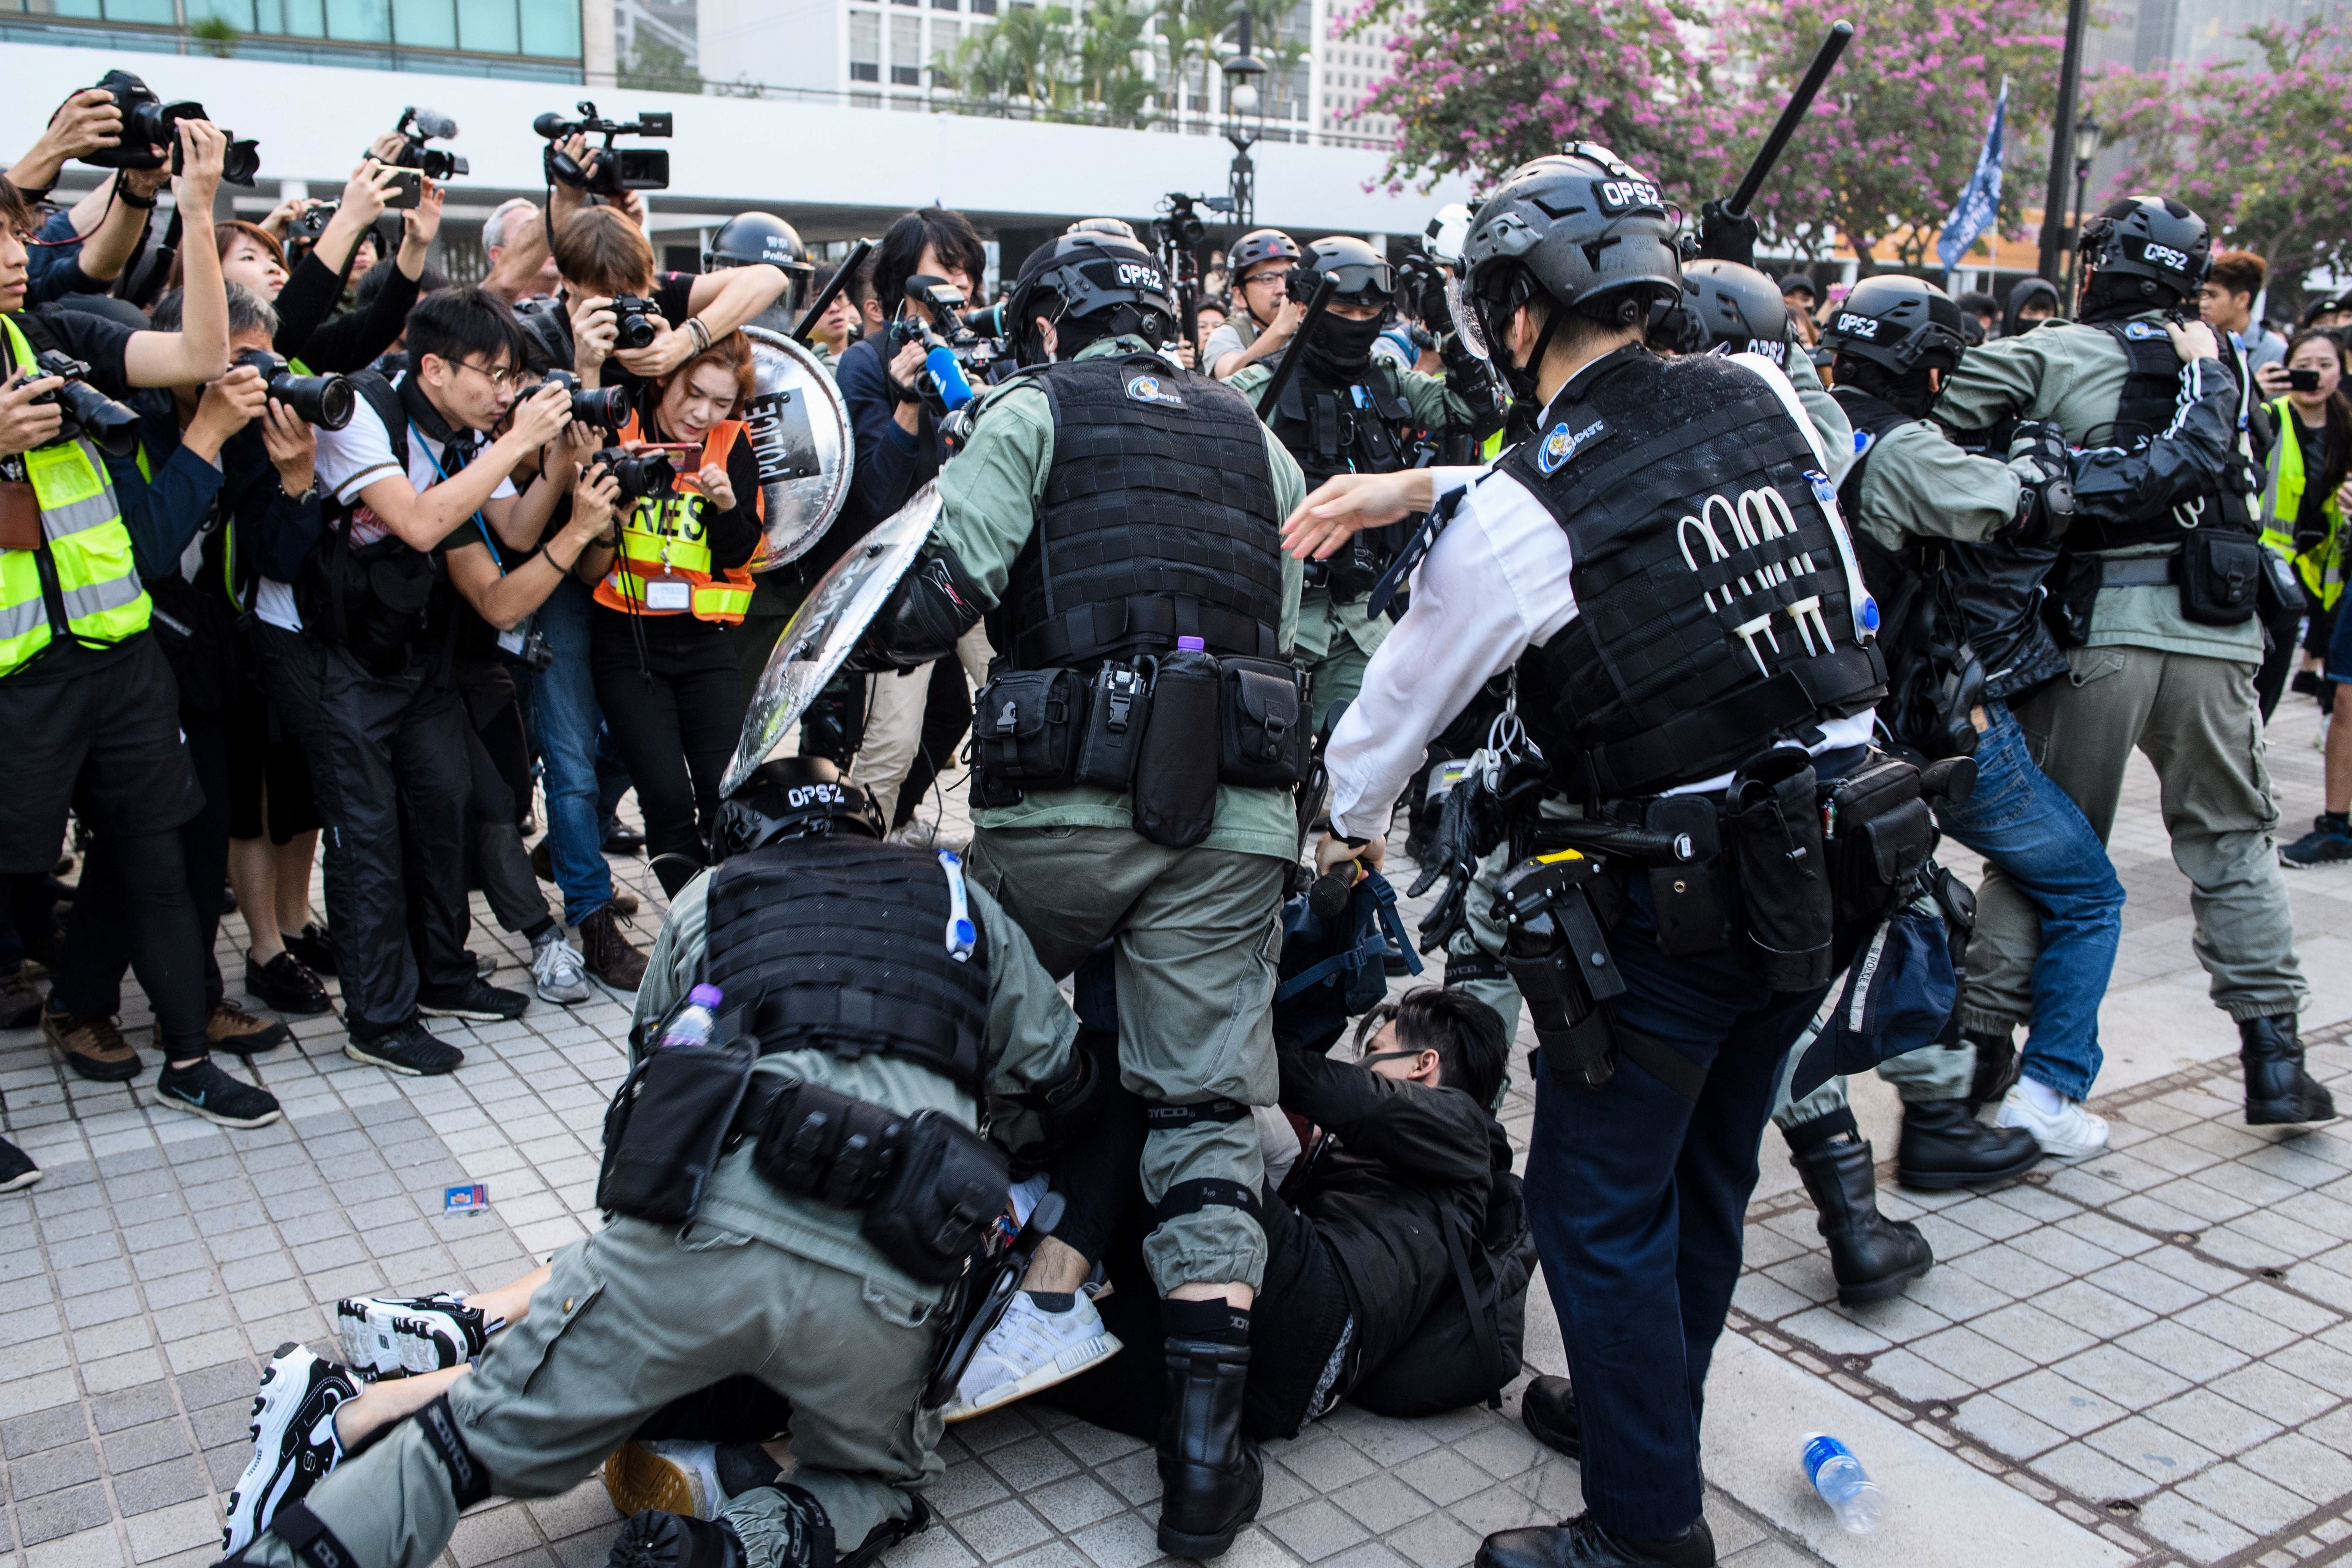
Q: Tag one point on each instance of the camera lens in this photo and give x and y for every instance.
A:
(325, 401)
(113, 427)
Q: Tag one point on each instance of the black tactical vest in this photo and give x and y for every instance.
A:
(1358, 428)
(2143, 410)
(1159, 522)
(1684, 659)
(840, 944)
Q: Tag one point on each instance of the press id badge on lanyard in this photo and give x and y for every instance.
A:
(667, 591)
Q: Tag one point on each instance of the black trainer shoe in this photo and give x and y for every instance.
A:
(2327, 844)
(16, 1168)
(656, 1538)
(294, 1443)
(624, 841)
(285, 984)
(482, 1003)
(313, 946)
(203, 1089)
(410, 1049)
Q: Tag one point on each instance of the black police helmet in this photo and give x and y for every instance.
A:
(793, 798)
(1090, 286)
(1582, 226)
(1740, 309)
(747, 239)
(1259, 245)
(1364, 275)
(2154, 238)
(1898, 323)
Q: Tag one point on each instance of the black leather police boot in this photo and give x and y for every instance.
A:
(1873, 1256)
(1995, 1065)
(1944, 1146)
(1211, 1478)
(1580, 1543)
(657, 1540)
(1549, 1409)
(2278, 1092)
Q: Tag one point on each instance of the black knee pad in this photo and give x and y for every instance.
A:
(1810, 1135)
(307, 1534)
(1159, 1118)
(1461, 968)
(1206, 1192)
(469, 1482)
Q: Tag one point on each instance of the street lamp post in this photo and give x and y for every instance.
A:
(2086, 149)
(1244, 123)
(2061, 138)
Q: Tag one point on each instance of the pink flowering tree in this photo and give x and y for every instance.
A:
(1893, 137)
(2257, 146)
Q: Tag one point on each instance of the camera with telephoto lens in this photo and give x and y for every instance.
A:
(418, 126)
(640, 473)
(618, 169)
(326, 401)
(636, 321)
(87, 413)
(149, 123)
(604, 406)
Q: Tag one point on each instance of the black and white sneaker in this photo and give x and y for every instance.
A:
(201, 1088)
(294, 1442)
(409, 1048)
(394, 1336)
(476, 999)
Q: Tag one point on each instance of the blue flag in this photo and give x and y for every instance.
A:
(1981, 203)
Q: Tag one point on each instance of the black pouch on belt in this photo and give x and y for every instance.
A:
(1119, 710)
(1025, 729)
(2220, 577)
(1265, 742)
(666, 1128)
(1880, 834)
(1693, 904)
(946, 1188)
(823, 1144)
(1176, 772)
(1786, 903)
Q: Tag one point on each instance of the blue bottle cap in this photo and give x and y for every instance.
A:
(1194, 645)
(967, 933)
(1869, 612)
(706, 996)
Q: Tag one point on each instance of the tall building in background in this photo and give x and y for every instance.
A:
(533, 40)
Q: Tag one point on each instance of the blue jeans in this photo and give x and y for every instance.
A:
(2024, 824)
(564, 719)
(1637, 1197)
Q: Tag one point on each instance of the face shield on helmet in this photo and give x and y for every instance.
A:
(1465, 320)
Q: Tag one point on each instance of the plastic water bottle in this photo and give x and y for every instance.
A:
(1838, 1477)
(695, 1025)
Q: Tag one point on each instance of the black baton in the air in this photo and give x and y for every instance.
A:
(824, 296)
(1786, 126)
(1289, 365)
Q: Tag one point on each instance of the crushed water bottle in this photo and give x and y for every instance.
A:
(697, 1022)
(1844, 1484)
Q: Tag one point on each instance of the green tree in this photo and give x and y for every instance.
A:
(655, 65)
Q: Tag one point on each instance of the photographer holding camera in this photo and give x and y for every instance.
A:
(358, 655)
(670, 592)
(85, 692)
(1262, 328)
(84, 250)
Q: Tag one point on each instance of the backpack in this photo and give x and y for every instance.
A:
(1455, 1358)
(1336, 966)
(371, 600)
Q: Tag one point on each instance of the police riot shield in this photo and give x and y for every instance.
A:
(817, 639)
(799, 428)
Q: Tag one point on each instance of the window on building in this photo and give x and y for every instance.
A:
(865, 46)
(984, 7)
(945, 35)
(907, 51)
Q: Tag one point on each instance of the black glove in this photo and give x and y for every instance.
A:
(933, 605)
(2039, 454)
(1723, 238)
(1468, 825)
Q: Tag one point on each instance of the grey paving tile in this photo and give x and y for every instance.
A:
(2116, 1373)
(2219, 1424)
(2159, 1453)
(2183, 1350)
(2245, 1499)
(2005, 1428)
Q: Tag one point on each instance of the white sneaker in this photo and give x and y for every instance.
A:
(676, 1477)
(294, 1442)
(2072, 1134)
(558, 972)
(391, 1336)
(1028, 1349)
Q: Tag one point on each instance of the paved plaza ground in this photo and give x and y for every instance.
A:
(2145, 1359)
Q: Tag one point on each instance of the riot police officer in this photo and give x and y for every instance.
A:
(1118, 522)
(2158, 604)
(1662, 569)
(1343, 411)
(888, 1003)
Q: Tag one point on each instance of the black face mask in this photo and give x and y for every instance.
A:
(1339, 349)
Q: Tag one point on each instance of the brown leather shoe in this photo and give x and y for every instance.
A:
(624, 902)
(233, 1029)
(93, 1047)
(609, 958)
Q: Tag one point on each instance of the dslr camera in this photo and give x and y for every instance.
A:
(418, 126)
(618, 169)
(638, 321)
(326, 401)
(149, 123)
(88, 413)
(642, 472)
(605, 406)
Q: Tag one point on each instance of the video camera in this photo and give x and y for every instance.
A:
(326, 401)
(87, 413)
(607, 406)
(618, 169)
(418, 126)
(959, 348)
(149, 123)
(1183, 227)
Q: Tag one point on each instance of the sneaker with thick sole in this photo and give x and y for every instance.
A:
(229, 1028)
(609, 959)
(673, 1476)
(16, 1168)
(2327, 844)
(1030, 1349)
(558, 973)
(285, 984)
(201, 1088)
(410, 1049)
(399, 1336)
(294, 1442)
(2072, 1134)
(93, 1047)
(475, 1000)
(658, 1538)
